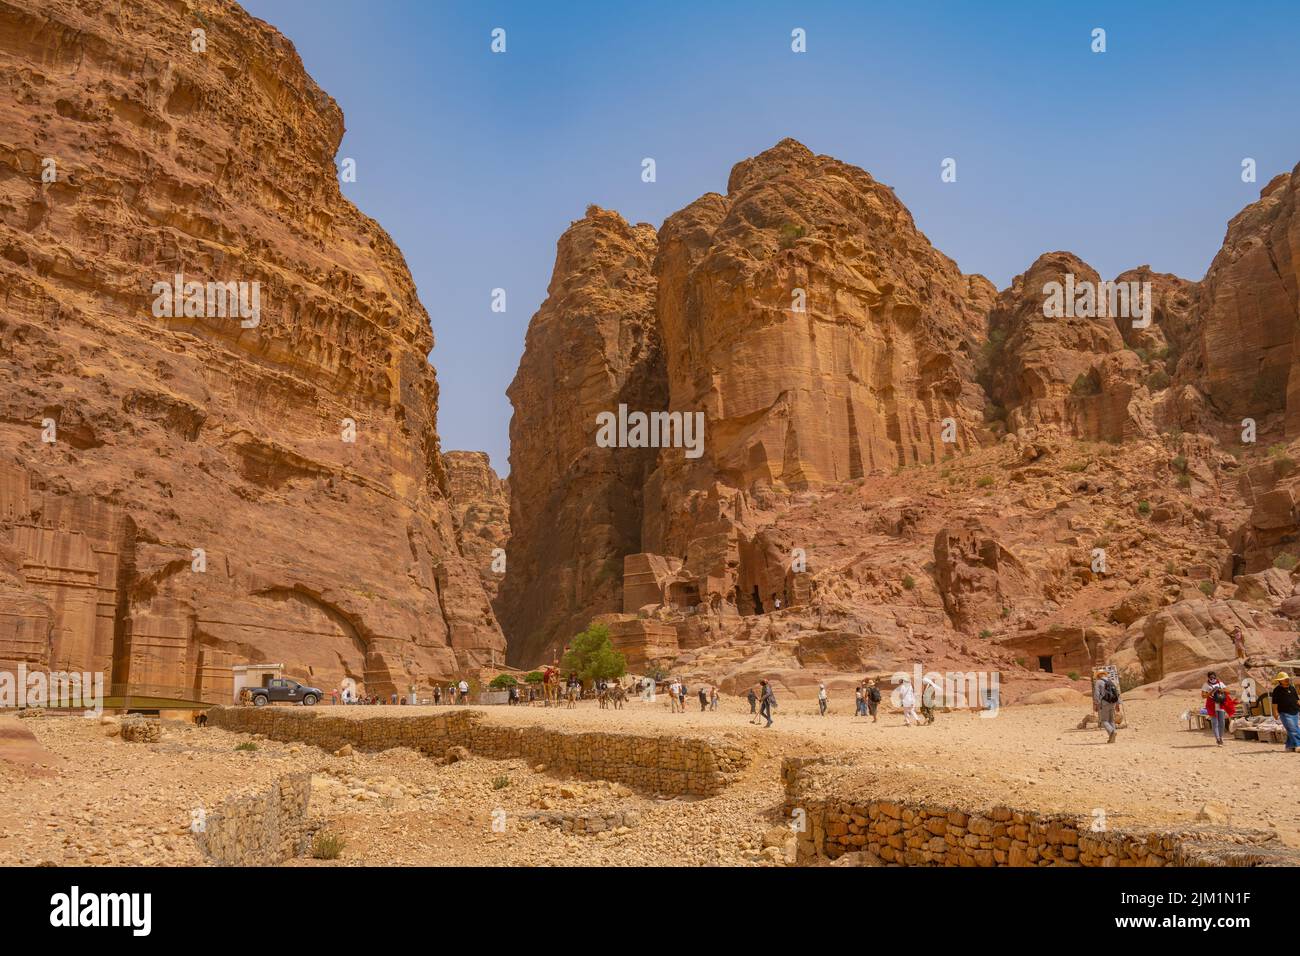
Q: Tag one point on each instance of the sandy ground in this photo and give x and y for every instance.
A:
(74, 796)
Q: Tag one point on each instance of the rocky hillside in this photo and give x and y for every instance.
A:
(899, 462)
(219, 473)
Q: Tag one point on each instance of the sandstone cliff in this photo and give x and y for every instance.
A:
(575, 507)
(1243, 356)
(220, 487)
(480, 503)
(825, 527)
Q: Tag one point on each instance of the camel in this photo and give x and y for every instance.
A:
(551, 686)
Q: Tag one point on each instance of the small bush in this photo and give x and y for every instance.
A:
(1076, 466)
(1085, 385)
(327, 846)
(246, 745)
(909, 582)
(790, 234)
(1286, 562)
(1144, 507)
(984, 481)
(500, 783)
(1184, 481)
(1179, 463)
(1073, 675)
(986, 634)
(1158, 379)
(1207, 588)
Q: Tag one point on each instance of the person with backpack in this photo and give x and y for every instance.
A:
(1105, 701)
(1287, 707)
(767, 701)
(1219, 705)
(873, 700)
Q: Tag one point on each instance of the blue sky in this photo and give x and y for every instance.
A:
(476, 162)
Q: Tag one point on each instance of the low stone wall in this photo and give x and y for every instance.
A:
(258, 829)
(693, 766)
(897, 831)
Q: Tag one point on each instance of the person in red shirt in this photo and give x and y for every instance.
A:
(1219, 704)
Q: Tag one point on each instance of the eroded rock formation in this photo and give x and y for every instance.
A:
(825, 526)
(1244, 354)
(575, 507)
(480, 502)
(189, 483)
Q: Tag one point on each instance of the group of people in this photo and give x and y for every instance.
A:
(678, 691)
(454, 693)
(1221, 707)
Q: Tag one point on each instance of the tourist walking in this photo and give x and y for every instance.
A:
(1239, 643)
(714, 698)
(873, 700)
(821, 699)
(682, 691)
(1218, 704)
(673, 697)
(1105, 701)
(1287, 707)
(859, 702)
(767, 701)
(753, 706)
(704, 698)
(464, 691)
(931, 697)
(907, 700)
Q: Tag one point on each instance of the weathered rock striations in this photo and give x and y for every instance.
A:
(826, 345)
(480, 502)
(203, 502)
(813, 324)
(1244, 355)
(1070, 372)
(575, 508)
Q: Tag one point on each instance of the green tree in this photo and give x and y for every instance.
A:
(503, 682)
(592, 657)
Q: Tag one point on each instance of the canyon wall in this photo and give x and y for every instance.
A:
(827, 345)
(480, 503)
(186, 487)
(575, 507)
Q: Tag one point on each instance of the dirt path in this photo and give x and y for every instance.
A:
(87, 798)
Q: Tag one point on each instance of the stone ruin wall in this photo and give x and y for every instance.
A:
(689, 766)
(259, 829)
(909, 833)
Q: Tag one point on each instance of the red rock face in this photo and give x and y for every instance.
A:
(1062, 368)
(575, 507)
(1249, 306)
(480, 503)
(227, 434)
